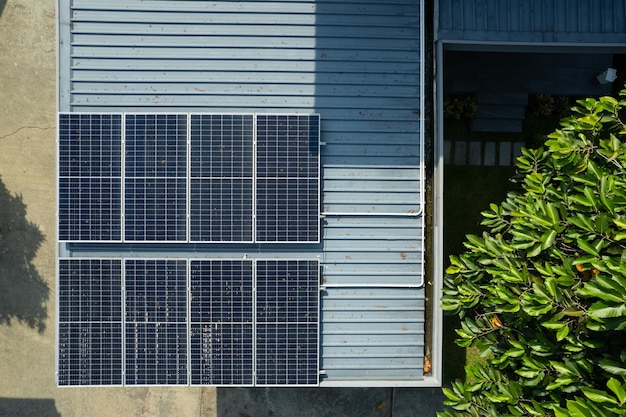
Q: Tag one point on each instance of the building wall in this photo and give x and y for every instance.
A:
(547, 21)
(356, 63)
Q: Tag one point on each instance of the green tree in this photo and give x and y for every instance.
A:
(542, 293)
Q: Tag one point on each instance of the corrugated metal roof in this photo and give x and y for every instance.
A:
(549, 21)
(372, 334)
(356, 63)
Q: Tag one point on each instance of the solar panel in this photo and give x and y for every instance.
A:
(90, 177)
(155, 188)
(221, 177)
(287, 306)
(287, 178)
(221, 145)
(156, 322)
(221, 322)
(90, 322)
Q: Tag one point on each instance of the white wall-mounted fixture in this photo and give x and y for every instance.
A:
(607, 76)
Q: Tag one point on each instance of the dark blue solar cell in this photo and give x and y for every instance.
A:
(155, 209)
(156, 177)
(90, 177)
(90, 322)
(156, 145)
(215, 315)
(156, 354)
(221, 354)
(221, 317)
(221, 196)
(228, 321)
(156, 291)
(156, 317)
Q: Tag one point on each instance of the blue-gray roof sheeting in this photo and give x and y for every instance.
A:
(540, 21)
(372, 251)
(352, 351)
(356, 63)
(288, 55)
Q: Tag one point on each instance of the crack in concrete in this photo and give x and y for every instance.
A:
(26, 127)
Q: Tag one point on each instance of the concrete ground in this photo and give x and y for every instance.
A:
(27, 269)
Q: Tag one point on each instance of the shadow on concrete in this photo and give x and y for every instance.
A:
(328, 402)
(2, 4)
(303, 402)
(23, 292)
(27, 407)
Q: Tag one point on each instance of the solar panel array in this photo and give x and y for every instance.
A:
(188, 322)
(217, 178)
(150, 179)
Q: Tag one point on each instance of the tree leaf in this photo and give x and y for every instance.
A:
(573, 312)
(552, 325)
(587, 247)
(562, 333)
(450, 394)
(601, 310)
(597, 395)
(558, 412)
(592, 290)
(582, 221)
(621, 223)
(578, 410)
(551, 285)
(612, 367)
(545, 285)
(617, 389)
(548, 238)
(580, 199)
